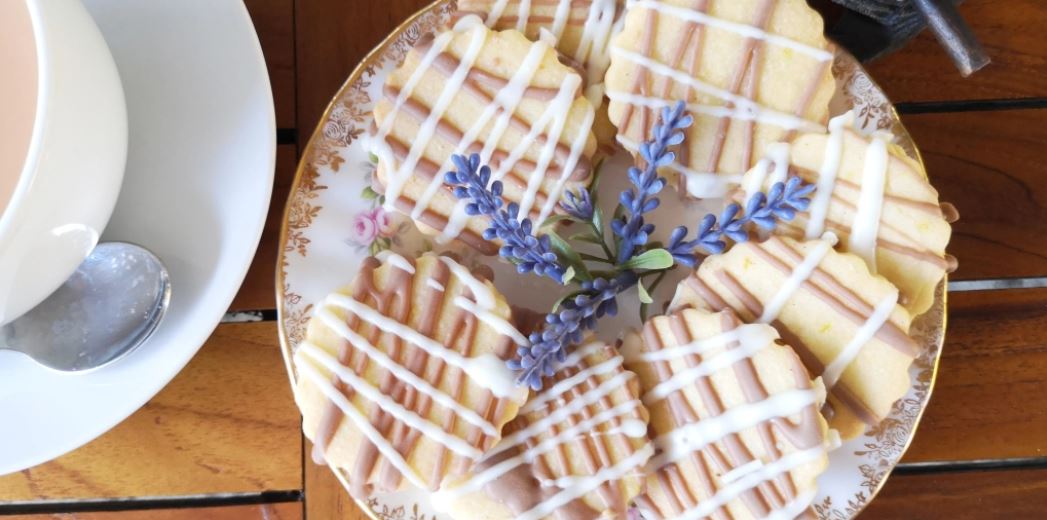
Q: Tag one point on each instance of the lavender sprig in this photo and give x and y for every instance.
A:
(781, 202)
(520, 245)
(568, 325)
(630, 228)
(579, 205)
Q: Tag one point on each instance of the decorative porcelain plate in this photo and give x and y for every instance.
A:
(333, 221)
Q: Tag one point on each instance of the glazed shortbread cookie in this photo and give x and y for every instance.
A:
(844, 322)
(473, 90)
(581, 30)
(752, 72)
(874, 197)
(734, 417)
(402, 376)
(576, 451)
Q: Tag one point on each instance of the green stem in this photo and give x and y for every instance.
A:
(651, 289)
(594, 258)
(598, 233)
(657, 281)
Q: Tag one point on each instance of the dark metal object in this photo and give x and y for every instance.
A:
(873, 28)
(954, 34)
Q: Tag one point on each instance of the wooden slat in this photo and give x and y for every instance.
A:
(274, 23)
(1012, 34)
(227, 423)
(257, 290)
(1017, 494)
(991, 166)
(990, 400)
(287, 511)
(332, 37)
(324, 495)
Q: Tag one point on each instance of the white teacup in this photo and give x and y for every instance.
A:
(63, 146)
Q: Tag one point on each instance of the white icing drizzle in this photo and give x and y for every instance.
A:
(496, 322)
(523, 14)
(496, 12)
(486, 370)
(563, 386)
(362, 423)
(741, 102)
(599, 26)
(478, 481)
(563, 14)
(435, 285)
(383, 360)
(741, 471)
(483, 294)
(767, 472)
(770, 170)
(827, 174)
(740, 29)
(505, 105)
(390, 405)
(866, 225)
(749, 332)
(507, 99)
(395, 181)
(687, 439)
(562, 413)
(751, 342)
(395, 260)
(554, 119)
(584, 485)
(592, 47)
(865, 333)
(572, 161)
(427, 129)
(796, 278)
(751, 112)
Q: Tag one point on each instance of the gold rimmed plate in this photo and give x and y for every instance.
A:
(333, 221)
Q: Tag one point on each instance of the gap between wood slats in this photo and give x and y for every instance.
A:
(970, 105)
(146, 503)
(947, 466)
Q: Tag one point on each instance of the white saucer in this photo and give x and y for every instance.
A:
(196, 192)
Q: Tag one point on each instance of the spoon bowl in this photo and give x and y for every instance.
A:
(111, 305)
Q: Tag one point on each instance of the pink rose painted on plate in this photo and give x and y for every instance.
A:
(369, 225)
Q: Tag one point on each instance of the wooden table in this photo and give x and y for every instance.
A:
(223, 442)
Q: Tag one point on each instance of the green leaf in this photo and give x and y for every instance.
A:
(644, 297)
(568, 275)
(556, 219)
(372, 157)
(650, 260)
(598, 217)
(369, 193)
(584, 236)
(569, 256)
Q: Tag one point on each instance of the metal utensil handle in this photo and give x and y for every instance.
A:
(954, 34)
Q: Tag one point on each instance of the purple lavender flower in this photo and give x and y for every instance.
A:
(578, 205)
(519, 244)
(781, 202)
(630, 228)
(577, 315)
